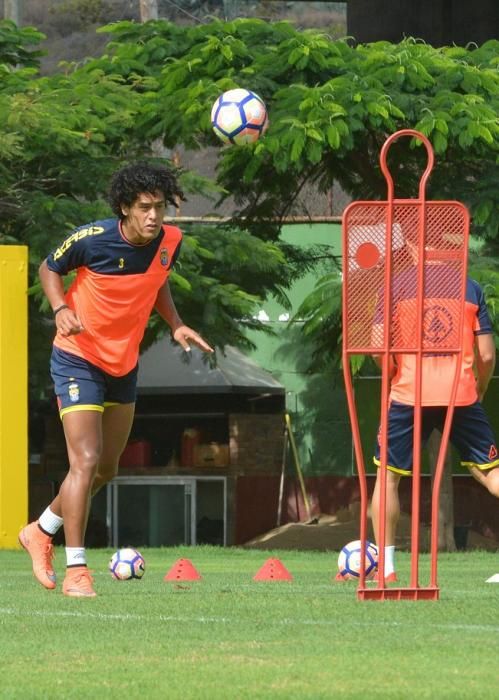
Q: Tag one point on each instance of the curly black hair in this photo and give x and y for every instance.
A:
(137, 178)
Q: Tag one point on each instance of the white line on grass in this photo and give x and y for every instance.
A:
(226, 620)
(107, 616)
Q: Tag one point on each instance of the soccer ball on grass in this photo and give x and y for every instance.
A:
(239, 116)
(126, 564)
(349, 560)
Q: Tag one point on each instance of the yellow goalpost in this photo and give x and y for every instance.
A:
(13, 393)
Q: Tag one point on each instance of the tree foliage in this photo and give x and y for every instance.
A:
(17, 46)
(331, 107)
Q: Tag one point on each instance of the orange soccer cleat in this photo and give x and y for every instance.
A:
(339, 577)
(39, 547)
(78, 583)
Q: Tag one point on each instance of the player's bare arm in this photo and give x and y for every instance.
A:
(485, 360)
(66, 321)
(377, 334)
(182, 334)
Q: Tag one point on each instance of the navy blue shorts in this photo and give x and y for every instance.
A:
(81, 386)
(471, 434)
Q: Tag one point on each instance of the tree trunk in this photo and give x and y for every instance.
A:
(446, 541)
(148, 10)
(13, 9)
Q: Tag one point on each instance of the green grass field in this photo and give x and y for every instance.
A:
(230, 637)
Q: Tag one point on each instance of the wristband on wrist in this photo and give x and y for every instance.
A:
(60, 308)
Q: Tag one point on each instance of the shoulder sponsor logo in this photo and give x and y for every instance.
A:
(163, 256)
(77, 236)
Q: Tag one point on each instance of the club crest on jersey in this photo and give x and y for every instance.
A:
(437, 324)
(74, 392)
(163, 256)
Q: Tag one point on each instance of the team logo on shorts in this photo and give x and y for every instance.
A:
(437, 324)
(74, 392)
(163, 256)
(492, 452)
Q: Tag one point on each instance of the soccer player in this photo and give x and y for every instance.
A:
(471, 432)
(121, 269)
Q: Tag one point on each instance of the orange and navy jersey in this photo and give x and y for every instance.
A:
(440, 328)
(114, 290)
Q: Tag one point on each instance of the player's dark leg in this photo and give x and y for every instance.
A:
(474, 438)
(116, 426)
(488, 478)
(392, 504)
(392, 507)
(83, 432)
(399, 461)
(94, 449)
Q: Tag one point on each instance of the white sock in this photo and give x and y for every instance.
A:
(389, 560)
(75, 556)
(49, 522)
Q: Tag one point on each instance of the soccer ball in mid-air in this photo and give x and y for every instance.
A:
(126, 564)
(349, 560)
(239, 116)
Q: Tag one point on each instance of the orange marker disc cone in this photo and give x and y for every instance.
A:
(183, 570)
(273, 570)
